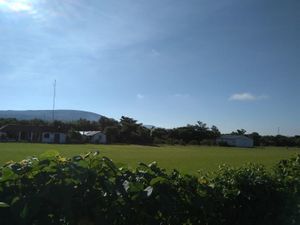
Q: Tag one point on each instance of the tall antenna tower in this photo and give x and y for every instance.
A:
(54, 99)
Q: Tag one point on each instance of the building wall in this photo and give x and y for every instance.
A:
(2, 136)
(99, 139)
(49, 137)
(247, 143)
(237, 142)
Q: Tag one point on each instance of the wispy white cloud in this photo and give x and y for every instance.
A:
(140, 96)
(247, 97)
(18, 6)
(154, 52)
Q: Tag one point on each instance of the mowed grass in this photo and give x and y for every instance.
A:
(187, 159)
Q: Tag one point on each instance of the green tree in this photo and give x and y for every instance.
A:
(112, 134)
(215, 132)
(256, 138)
(160, 135)
(133, 132)
(239, 132)
(105, 122)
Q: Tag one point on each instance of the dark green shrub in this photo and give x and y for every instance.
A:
(247, 196)
(194, 142)
(223, 144)
(74, 137)
(287, 173)
(208, 142)
(90, 190)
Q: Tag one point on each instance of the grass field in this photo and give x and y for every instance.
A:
(187, 159)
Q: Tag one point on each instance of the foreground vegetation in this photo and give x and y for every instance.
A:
(186, 159)
(89, 190)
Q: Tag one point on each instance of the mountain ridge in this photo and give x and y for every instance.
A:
(60, 114)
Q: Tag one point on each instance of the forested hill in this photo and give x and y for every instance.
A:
(62, 115)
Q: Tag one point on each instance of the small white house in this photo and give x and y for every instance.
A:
(95, 137)
(54, 137)
(236, 140)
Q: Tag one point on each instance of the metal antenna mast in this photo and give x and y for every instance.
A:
(54, 98)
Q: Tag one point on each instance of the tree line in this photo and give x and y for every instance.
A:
(129, 131)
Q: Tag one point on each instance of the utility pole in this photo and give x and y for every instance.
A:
(278, 131)
(54, 98)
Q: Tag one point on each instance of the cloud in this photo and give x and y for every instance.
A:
(17, 6)
(242, 97)
(247, 97)
(154, 52)
(140, 96)
(20, 6)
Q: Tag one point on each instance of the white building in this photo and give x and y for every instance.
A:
(31, 133)
(95, 137)
(236, 140)
(54, 137)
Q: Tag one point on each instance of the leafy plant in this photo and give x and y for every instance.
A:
(89, 189)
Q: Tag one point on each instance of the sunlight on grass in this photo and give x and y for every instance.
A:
(187, 159)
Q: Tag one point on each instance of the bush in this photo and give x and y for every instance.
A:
(223, 144)
(208, 142)
(89, 190)
(158, 141)
(194, 142)
(74, 137)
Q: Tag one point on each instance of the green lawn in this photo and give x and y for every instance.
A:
(187, 159)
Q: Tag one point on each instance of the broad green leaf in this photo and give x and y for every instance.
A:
(77, 158)
(96, 153)
(157, 180)
(8, 174)
(135, 187)
(110, 164)
(149, 191)
(3, 205)
(16, 199)
(126, 185)
(87, 155)
(24, 212)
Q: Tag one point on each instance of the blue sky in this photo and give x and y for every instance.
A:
(230, 63)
